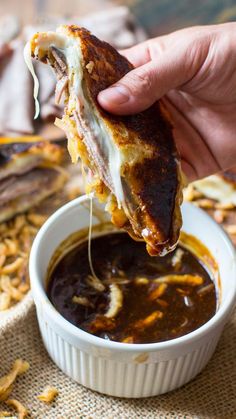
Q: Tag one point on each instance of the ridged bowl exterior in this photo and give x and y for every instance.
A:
(125, 379)
(128, 370)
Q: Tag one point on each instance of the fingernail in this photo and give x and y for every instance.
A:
(118, 95)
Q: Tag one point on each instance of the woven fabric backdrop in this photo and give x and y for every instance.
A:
(210, 395)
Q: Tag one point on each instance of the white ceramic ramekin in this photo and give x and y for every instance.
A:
(119, 369)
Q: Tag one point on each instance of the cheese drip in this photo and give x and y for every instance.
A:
(72, 53)
(28, 61)
(90, 237)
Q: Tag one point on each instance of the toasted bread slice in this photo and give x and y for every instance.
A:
(133, 159)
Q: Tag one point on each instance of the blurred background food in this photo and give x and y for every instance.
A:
(157, 16)
(36, 176)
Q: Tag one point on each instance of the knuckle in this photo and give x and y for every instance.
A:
(141, 82)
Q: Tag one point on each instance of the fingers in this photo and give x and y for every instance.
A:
(132, 93)
(197, 157)
(141, 87)
(163, 64)
(189, 171)
(139, 54)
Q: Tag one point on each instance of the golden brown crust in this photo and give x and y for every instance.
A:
(154, 180)
(48, 151)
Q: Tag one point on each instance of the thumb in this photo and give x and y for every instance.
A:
(168, 62)
(141, 87)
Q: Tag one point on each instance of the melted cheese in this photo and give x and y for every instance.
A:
(97, 128)
(90, 237)
(71, 50)
(28, 61)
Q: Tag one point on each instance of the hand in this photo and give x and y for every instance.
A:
(194, 72)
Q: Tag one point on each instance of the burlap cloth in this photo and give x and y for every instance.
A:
(210, 395)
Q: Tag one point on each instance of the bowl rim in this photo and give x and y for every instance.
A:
(39, 293)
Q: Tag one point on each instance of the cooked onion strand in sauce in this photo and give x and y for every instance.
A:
(134, 298)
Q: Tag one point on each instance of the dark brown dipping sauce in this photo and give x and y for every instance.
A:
(153, 301)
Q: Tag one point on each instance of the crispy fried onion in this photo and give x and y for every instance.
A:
(90, 66)
(95, 283)
(12, 267)
(116, 300)
(230, 229)
(101, 323)
(191, 193)
(4, 414)
(16, 237)
(186, 279)
(162, 303)
(116, 280)
(149, 320)
(48, 394)
(205, 203)
(22, 411)
(6, 394)
(205, 289)
(84, 301)
(220, 215)
(11, 247)
(6, 286)
(157, 292)
(128, 339)
(19, 367)
(36, 219)
(177, 259)
(141, 281)
(5, 301)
